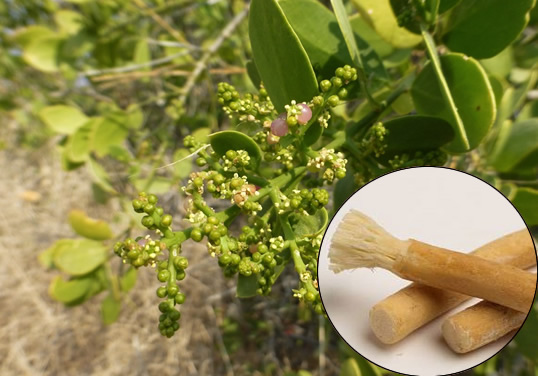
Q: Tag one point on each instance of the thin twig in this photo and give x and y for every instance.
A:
(157, 18)
(133, 67)
(201, 65)
(165, 73)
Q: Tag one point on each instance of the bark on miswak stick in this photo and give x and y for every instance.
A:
(398, 315)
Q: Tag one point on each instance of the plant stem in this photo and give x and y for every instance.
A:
(445, 90)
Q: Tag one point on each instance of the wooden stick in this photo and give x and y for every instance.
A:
(360, 242)
(398, 315)
(479, 325)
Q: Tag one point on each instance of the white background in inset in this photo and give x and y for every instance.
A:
(442, 207)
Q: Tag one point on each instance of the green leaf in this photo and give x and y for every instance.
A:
(246, 286)
(88, 227)
(68, 21)
(157, 185)
(46, 258)
(483, 28)
(43, 53)
(182, 169)
(26, 35)
(63, 119)
(415, 133)
(77, 148)
(362, 55)
(445, 5)
(100, 176)
(350, 368)
(365, 31)
(128, 280)
(281, 60)
(110, 309)
(309, 225)
(201, 135)
(69, 291)
(223, 141)
(526, 202)
(80, 257)
(109, 131)
(501, 64)
(253, 74)
(520, 150)
(471, 92)
(379, 14)
(525, 339)
(135, 117)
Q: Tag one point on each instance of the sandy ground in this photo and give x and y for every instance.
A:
(42, 337)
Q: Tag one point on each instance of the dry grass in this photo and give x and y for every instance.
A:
(42, 337)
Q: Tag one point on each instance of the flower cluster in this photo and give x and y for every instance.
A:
(331, 163)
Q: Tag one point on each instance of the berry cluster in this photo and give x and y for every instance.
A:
(308, 201)
(331, 163)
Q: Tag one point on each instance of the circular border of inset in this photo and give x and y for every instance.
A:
(433, 213)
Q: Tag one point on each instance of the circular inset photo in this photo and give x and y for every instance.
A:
(427, 271)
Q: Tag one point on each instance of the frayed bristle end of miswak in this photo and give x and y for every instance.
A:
(359, 242)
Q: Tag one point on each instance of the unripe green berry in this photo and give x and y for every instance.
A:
(262, 248)
(166, 220)
(159, 210)
(310, 296)
(342, 93)
(224, 260)
(214, 220)
(207, 228)
(163, 275)
(337, 82)
(149, 209)
(236, 259)
(200, 161)
(236, 183)
(174, 315)
(291, 120)
(198, 182)
(180, 298)
(219, 179)
(339, 72)
(161, 292)
(133, 254)
(325, 85)
(172, 290)
(333, 100)
(152, 199)
(164, 307)
(340, 174)
(181, 262)
(180, 275)
(214, 235)
(147, 221)
(211, 188)
(138, 206)
(231, 154)
(196, 234)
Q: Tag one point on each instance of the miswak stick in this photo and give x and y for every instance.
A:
(403, 312)
(361, 242)
(479, 325)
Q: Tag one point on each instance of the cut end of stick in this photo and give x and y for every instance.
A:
(359, 242)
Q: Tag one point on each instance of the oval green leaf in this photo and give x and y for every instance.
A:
(520, 150)
(78, 146)
(109, 131)
(379, 14)
(472, 94)
(46, 258)
(80, 257)
(69, 291)
(350, 368)
(88, 227)
(483, 28)
(526, 202)
(415, 133)
(246, 286)
(128, 280)
(223, 141)
(43, 53)
(307, 226)
(182, 163)
(110, 309)
(63, 119)
(281, 60)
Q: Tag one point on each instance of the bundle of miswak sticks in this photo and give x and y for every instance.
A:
(442, 280)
